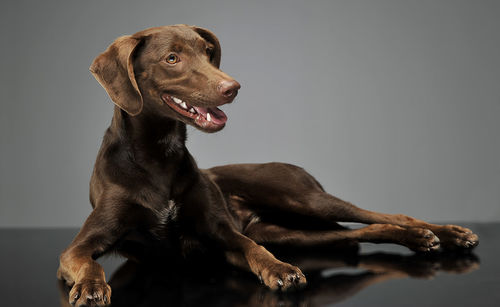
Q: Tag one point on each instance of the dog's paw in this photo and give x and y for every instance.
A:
(456, 237)
(421, 240)
(282, 276)
(90, 293)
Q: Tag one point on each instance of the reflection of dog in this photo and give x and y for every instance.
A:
(147, 186)
(208, 282)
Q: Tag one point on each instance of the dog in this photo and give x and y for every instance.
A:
(148, 193)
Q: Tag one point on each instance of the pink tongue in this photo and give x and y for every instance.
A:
(216, 115)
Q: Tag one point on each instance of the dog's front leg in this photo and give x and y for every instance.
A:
(241, 250)
(274, 273)
(77, 263)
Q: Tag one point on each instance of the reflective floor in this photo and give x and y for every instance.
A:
(379, 275)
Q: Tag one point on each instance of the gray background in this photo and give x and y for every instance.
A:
(393, 105)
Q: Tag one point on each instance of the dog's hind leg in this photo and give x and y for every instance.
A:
(322, 203)
(415, 238)
(284, 188)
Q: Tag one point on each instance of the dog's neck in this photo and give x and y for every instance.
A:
(142, 132)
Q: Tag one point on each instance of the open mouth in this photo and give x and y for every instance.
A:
(207, 118)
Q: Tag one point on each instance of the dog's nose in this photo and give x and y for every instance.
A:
(228, 89)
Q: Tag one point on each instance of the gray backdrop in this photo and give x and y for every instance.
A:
(392, 105)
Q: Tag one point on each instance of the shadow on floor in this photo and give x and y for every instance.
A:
(206, 281)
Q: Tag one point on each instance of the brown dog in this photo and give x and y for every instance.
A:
(148, 193)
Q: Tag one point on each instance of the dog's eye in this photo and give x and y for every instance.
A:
(172, 59)
(209, 51)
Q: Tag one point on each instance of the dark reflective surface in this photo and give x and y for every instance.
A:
(379, 275)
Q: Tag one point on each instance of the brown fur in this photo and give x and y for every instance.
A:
(149, 195)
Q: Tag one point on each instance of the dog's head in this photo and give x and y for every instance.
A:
(170, 71)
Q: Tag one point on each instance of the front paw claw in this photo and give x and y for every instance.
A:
(90, 293)
(283, 277)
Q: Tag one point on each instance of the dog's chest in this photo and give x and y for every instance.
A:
(166, 218)
(170, 230)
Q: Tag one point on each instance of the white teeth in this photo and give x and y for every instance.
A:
(181, 103)
(192, 110)
(209, 118)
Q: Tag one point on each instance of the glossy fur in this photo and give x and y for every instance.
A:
(148, 195)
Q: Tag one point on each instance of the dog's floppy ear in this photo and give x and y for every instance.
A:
(212, 39)
(114, 69)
